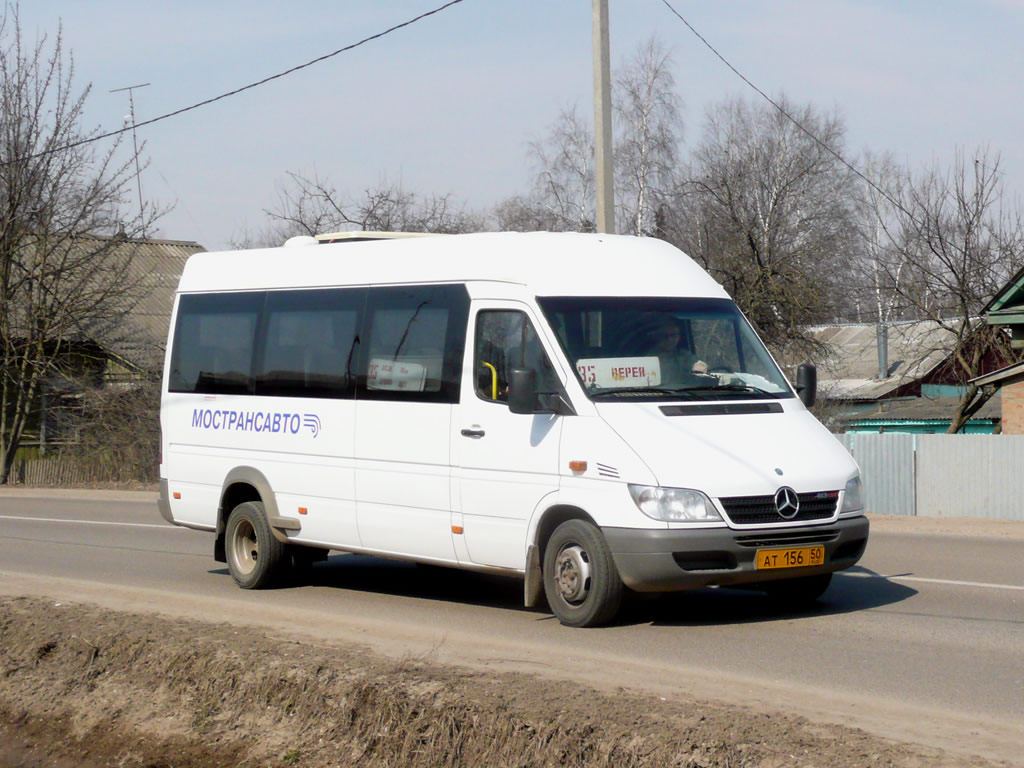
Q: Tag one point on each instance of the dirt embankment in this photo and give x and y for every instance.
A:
(87, 687)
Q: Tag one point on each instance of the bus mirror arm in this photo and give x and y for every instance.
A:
(807, 384)
(523, 396)
(556, 403)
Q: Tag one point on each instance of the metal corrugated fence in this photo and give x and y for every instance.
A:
(888, 472)
(970, 476)
(941, 475)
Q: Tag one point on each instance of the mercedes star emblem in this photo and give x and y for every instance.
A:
(787, 503)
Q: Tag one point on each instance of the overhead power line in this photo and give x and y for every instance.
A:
(235, 92)
(790, 117)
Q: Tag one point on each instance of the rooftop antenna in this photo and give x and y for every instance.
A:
(135, 144)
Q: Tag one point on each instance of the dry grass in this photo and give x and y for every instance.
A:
(129, 690)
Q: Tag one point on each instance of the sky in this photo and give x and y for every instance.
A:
(449, 104)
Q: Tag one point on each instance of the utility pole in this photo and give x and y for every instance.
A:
(135, 144)
(603, 179)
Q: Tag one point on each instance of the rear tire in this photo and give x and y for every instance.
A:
(581, 582)
(255, 557)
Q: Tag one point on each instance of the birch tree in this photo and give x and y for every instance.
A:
(648, 112)
(562, 196)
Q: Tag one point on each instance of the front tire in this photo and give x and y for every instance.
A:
(581, 582)
(255, 557)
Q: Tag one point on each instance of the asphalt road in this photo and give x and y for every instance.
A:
(923, 642)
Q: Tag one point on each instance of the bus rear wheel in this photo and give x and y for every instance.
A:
(255, 557)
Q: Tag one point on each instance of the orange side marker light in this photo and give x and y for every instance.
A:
(578, 466)
(177, 494)
(303, 511)
(456, 529)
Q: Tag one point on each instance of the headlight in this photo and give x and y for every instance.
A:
(674, 505)
(851, 497)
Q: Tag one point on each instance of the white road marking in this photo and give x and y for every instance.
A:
(922, 579)
(90, 522)
(951, 582)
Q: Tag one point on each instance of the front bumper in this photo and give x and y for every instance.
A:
(669, 560)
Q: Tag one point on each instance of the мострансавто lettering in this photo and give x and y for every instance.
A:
(254, 421)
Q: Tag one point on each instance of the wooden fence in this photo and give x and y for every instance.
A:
(67, 472)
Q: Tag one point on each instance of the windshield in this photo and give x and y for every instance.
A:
(658, 348)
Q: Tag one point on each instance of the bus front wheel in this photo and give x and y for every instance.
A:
(581, 582)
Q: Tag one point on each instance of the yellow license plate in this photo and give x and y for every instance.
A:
(790, 558)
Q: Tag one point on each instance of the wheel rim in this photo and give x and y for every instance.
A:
(572, 574)
(245, 550)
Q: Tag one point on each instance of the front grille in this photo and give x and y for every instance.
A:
(760, 510)
(787, 539)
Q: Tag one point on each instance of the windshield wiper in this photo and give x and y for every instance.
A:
(640, 391)
(748, 388)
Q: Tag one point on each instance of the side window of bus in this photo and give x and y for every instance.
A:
(309, 343)
(414, 341)
(506, 340)
(213, 343)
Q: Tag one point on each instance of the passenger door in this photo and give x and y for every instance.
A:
(409, 374)
(505, 464)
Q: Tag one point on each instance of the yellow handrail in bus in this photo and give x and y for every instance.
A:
(494, 380)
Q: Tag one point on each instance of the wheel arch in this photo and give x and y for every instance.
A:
(240, 485)
(546, 522)
(553, 517)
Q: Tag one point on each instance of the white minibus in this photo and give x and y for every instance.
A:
(588, 412)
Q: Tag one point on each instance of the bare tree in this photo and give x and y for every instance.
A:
(312, 206)
(950, 240)
(879, 274)
(116, 428)
(562, 198)
(768, 211)
(59, 289)
(646, 155)
(647, 142)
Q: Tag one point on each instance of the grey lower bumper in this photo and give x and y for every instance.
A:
(666, 560)
(163, 501)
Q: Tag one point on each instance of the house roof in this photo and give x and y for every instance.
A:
(1006, 308)
(927, 409)
(1008, 375)
(141, 337)
(1009, 299)
(850, 365)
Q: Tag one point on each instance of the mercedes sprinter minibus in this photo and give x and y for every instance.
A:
(588, 412)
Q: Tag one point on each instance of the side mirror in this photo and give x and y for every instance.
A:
(807, 384)
(522, 390)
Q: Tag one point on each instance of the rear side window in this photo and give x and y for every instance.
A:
(213, 343)
(310, 343)
(414, 341)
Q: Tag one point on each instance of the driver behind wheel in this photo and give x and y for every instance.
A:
(678, 362)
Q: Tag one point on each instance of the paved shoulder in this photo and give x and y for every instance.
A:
(948, 526)
(85, 494)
